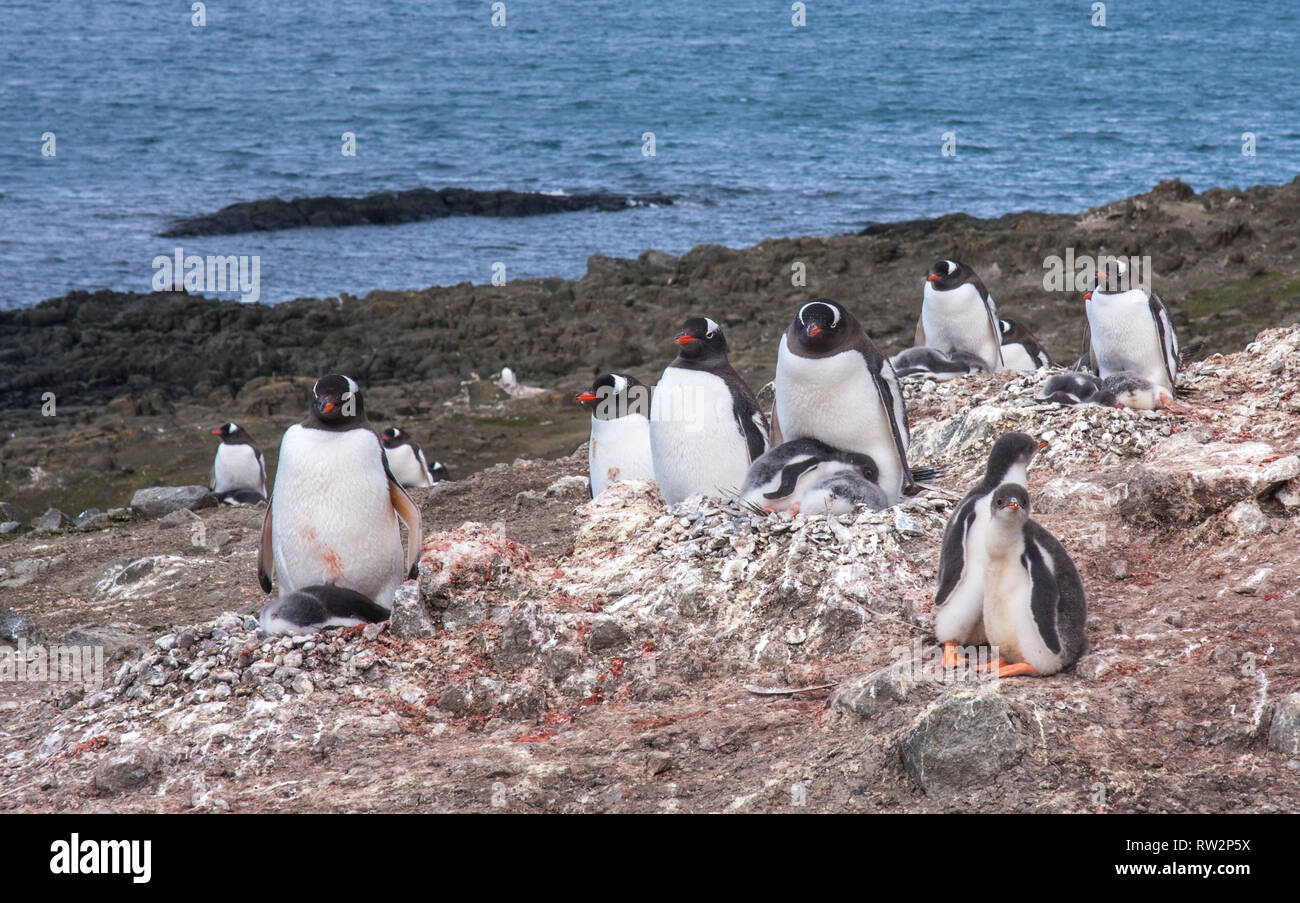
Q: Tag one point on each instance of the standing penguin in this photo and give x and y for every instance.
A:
(958, 314)
(1020, 350)
(963, 559)
(706, 427)
(407, 462)
(1129, 329)
(333, 515)
(619, 448)
(238, 470)
(833, 384)
(1034, 611)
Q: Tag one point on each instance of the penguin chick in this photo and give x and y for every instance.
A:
(1034, 612)
(312, 608)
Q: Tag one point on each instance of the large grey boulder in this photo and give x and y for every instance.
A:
(15, 627)
(1284, 732)
(159, 500)
(963, 740)
(53, 519)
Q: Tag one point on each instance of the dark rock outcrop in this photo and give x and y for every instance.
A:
(390, 207)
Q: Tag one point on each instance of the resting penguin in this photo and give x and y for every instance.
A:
(706, 427)
(959, 599)
(1133, 391)
(1129, 330)
(1020, 350)
(619, 448)
(833, 384)
(805, 475)
(1075, 387)
(309, 609)
(958, 314)
(1034, 612)
(335, 505)
(926, 361)
(407, 462)
(239, 470)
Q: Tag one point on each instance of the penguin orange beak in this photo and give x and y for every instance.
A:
(1087, 296)
(1013, 506)
(216, 432)
(1042, 445)
(932, 278)
(329, 406)
(814, 330)
(685, 339)
(587, 396)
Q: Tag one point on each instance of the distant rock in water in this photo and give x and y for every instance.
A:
(389, 207)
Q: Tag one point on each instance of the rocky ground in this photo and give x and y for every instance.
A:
(137, 380)
(563, 654)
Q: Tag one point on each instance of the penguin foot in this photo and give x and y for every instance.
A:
(950, 657)
(1012, 670)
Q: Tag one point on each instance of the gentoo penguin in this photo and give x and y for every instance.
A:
(1034, 612)
(1129, 330)
(238, 470)
(809, 476)
(958, 314)
(1133, 391)
(706, 427)
(926, 361)
(959, 599)
(335, 505)
(833, 384)
(619, 448)
(309, 609)
(1074, 387)
(1020, 350)
(407, 462)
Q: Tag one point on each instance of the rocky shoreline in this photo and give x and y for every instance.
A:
(386, 208)
(138, 378)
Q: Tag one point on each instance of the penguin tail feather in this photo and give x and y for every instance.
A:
(928, 472)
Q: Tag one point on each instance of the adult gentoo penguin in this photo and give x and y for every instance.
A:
(1129, 329)
(238, 470)
(333, 515)
(1034, 611)
(963, 559)
(833, 384)
(407, 462)
(1020, 350)
(705, 424)
(808, 476)
(958, 314)
(619, 448)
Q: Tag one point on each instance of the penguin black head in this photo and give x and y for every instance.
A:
(701, 339)
(1011, 500)
(231, 433)
(820, 324)
(947, 275)
(614, 395)
(1113, 276)
(336, 403)
(439, 472)
(392, 437)
(1010, 449)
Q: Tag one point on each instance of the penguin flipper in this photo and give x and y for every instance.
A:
(1045, 595)
(995, 329)
(265, 555)
(918, 338)
(1168, 341)
(952, 555)
(891, 399)
(410, 514)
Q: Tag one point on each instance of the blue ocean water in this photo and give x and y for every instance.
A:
(761, 128)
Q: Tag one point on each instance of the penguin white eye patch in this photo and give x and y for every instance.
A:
(713, 327)
(835, 313)
(952, 267)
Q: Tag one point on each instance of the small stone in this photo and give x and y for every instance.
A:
(1254, 582)
(963, 740)
(410, 618)
(1248, 518)
(53, 519)
(126, 772)
(1284, 732)
(157, 501)
(15, 627)
(606, 633)
(658, 762)
(166, 642)
(1174, 619)
(11, 526)
(1119, 568)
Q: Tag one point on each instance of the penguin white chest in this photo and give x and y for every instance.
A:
(407, 467)
(835, 399)
(237, 467)
(958, 320)
(1006, 604)
(1124, 336)
(331, 518)
(696, 443)
(619, 450)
